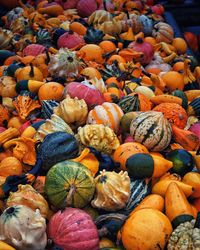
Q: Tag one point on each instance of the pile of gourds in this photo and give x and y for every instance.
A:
(99, 128)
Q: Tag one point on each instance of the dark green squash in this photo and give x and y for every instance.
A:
(183, 161)
(57, 147)
(69, 184)
(93, 35)
(182, 95)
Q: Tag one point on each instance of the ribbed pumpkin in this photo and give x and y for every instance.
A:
(73, 229)
(125, 150)
(152, 130)
(163, 32)
(69, 184)
(108, 114)
(174, 113)
(134, 102)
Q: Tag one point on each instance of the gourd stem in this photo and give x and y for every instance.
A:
(102, 232)
(197, 223)
(70, 195)
(31, 74)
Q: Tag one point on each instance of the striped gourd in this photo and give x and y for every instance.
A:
(47, 108)
(152, 130)
(194, 107)
(108, 114)
(134, 102)
(139, 190)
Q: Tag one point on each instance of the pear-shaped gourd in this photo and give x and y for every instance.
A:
(112, 190)
(73, 111)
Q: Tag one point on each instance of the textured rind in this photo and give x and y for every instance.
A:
(98, 136)
(152, 130)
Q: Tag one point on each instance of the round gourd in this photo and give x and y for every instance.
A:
(56, 147)
(152, 130)
(108, 114)
(73, 229)
(183, 161)
(125, 150)
(146, 229)
(134, 102)
(69, 184)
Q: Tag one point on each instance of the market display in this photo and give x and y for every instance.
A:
(99, 128)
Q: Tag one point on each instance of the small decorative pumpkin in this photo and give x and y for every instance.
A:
(163, 32)
(55, 124)
(186, 235)
(69, 184)
(73, 111)
(112, 190)
(99, 137)
(174, 113)
(134, 102)
(70, 40)
(64, 63)
(108, 114)
(98, 17)
(56, 147)
(146, 48)
(26, 195)
(125, 150)
(92, 52)
(51, 91)
(138, 232)
(23, 228)
(29, 73)
(10, 166)
(4, 116)
(33, 50)
(86, 8)
(152, 130)
(85, 91)
(73, 229)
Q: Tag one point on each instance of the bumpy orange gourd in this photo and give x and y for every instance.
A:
(173, 80)
(51, 91)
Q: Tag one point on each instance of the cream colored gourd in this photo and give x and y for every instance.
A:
(112, 190)
(73, 111)
(55, 124)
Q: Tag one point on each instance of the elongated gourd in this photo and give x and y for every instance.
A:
(31, 85)
(146, 165)
(161, 187)
(177, 207)
(154, 201)
(166, 99)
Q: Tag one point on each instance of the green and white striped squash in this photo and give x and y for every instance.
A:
(139, 190)
(152, 130)
(69, 184)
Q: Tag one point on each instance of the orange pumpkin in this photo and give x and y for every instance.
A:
(90, 72)
(173, 80)
(29, 73)
(124, 151)
(91, 52)
(15, 122)
(117, 58)
(146, 229)
(180, 45)
(107, 46)
(179, 67)
(51, 91)
(78, 28)
(174, 113)
(114, 80)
